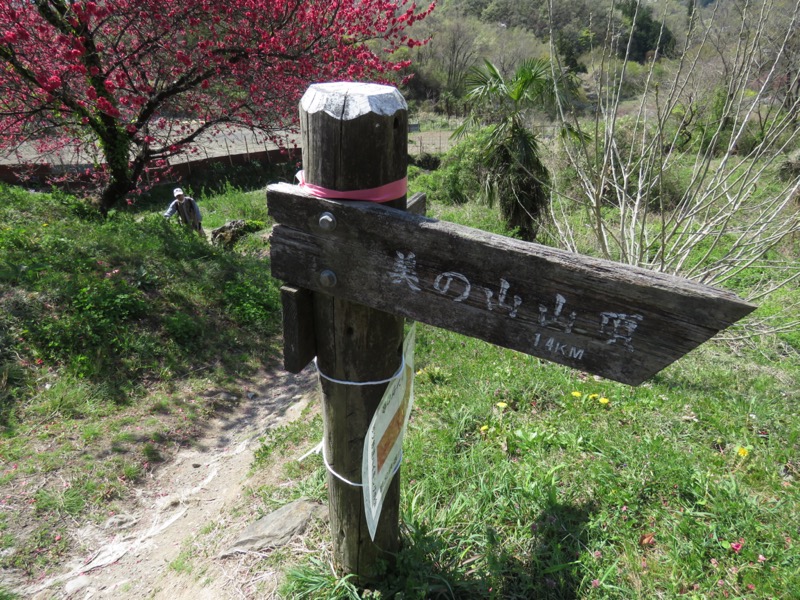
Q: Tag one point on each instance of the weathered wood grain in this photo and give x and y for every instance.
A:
(621, 322)
(299, 345)
(369, 145)
(418, 204)
(355, 137)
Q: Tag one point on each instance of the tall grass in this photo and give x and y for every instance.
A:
(523, 479)
(126, 298)
(107, 330)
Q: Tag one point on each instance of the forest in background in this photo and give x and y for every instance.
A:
(463, 33)
(670, 140)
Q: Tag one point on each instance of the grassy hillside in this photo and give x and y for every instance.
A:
(109, 329)
(523, 479)
(520, 479)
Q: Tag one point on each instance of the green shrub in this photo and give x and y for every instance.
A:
(89, 330)
(184, 329)
(427, 161)
(457, 180)
(253, 298)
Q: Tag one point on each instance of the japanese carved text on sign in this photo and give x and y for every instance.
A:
(605, 318)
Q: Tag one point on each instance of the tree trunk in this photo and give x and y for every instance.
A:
(116, 147)
(112, 193)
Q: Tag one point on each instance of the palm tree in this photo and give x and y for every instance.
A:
(514, 175)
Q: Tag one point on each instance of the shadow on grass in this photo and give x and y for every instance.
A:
(552, 570)
(185, 419)
(427, 568)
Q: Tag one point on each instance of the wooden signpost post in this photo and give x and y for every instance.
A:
(357, 268)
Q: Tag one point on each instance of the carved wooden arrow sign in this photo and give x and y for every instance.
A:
(621, 322)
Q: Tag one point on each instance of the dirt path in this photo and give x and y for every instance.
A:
(165, 544)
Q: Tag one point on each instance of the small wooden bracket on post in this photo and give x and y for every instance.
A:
(299, 345)
(418, 204)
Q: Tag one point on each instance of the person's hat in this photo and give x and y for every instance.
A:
(177, 192)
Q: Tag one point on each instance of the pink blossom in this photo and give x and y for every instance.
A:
(133, 34)
(761, 558)
(51, 83)
(595, 583)
(108, 108)
(737, 546)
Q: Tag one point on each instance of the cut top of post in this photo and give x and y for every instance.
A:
(345, 100)
(355, 137)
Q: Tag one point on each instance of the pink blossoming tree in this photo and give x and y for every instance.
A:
(138, 81)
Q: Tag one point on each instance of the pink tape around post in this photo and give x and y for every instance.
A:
(385, 193)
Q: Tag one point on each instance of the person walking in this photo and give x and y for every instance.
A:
(187, 209)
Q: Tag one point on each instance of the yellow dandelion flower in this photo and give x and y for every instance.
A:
(577, 394)
(604, 401)
(484, 427)
(743, 452)
(501, 405)
(593, 396)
